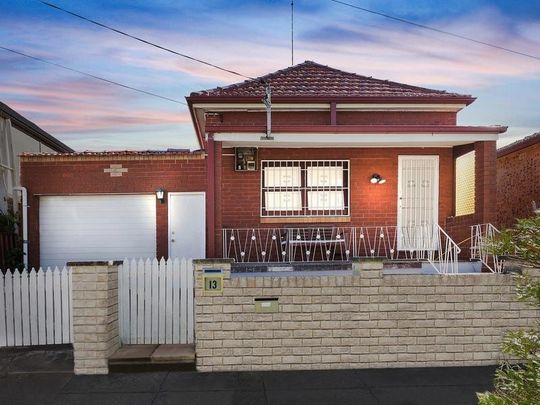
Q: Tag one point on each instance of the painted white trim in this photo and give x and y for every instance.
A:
(401, 107)
(223, 107)
(173, 193)
(282, 140)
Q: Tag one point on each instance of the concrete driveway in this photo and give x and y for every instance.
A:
(45, 377)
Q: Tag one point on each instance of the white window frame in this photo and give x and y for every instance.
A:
(307, 183)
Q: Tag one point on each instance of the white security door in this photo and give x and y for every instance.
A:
(187, 225)
(96, 227)
(418, 201)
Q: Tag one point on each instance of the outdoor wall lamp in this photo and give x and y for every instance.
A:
(377, 179)
(160, 195)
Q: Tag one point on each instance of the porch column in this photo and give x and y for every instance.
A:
(210, 197)
(486, 181)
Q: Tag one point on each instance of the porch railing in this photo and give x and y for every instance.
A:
(320, 244)
(482, 236)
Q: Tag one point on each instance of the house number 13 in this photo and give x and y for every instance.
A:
(213, 283)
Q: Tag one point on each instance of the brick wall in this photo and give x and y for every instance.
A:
(51, 175)
(370, 204)
(323, 118)
(518, 184)
(486, 182)
(358, 321)
(459, 227)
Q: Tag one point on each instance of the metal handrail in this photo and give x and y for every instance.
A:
(482, 236)
(448, 253)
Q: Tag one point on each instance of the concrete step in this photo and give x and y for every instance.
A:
(153, 357)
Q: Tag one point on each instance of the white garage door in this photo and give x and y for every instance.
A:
(98, 227)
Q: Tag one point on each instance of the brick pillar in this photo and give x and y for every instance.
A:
(210, 197)
(95, 315)
(218, 247)
(486, 181)
(368, 267)
(206, 331)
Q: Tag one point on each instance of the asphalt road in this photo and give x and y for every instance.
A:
(45, 377)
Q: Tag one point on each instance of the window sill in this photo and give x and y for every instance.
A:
(303, 220)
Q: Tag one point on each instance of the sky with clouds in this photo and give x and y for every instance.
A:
(253, 37)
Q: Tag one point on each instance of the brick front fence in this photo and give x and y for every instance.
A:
(363, 320)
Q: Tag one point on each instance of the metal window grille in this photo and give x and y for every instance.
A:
(305, 188)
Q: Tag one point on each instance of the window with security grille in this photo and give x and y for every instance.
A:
(465, 181)
(304, 188)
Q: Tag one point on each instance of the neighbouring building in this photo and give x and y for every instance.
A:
(341, 165)
(518, 180)
(19, 135)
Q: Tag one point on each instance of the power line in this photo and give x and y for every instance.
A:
(402, 20)
(144, 41)
(91, 75)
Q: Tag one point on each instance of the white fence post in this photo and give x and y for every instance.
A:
(156, 301)
(35, 307)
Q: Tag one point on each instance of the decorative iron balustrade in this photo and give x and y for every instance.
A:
(320, 244)
(482, 236)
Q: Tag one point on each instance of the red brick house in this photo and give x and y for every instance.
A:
(343, 165)
(518, 180)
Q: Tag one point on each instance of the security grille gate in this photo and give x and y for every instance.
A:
(418, 200)
(156, 301)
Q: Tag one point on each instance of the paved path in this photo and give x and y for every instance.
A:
(45, 377)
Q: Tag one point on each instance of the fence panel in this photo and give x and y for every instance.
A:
(156, 301)
(35, 307)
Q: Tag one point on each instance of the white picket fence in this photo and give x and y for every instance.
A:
(35, 307)
(156, 301)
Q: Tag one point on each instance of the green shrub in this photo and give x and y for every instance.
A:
(519, 384)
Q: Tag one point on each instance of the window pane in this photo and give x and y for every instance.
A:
(283, 200)
(282, 176)
(465, 181)
(325, 200)
(325, 176)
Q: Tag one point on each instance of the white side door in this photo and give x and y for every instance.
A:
(187, 225)
(418, 202)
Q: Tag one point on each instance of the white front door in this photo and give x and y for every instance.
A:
(187, 225)
(418, 201)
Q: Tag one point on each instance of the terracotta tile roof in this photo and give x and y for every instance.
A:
(518, 145)
(310, 79)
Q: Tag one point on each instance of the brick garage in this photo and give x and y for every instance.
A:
(364, 320)
(84, 173)
(518, 180)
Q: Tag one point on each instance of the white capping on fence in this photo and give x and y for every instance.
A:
(156, 301)
(35, 307)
